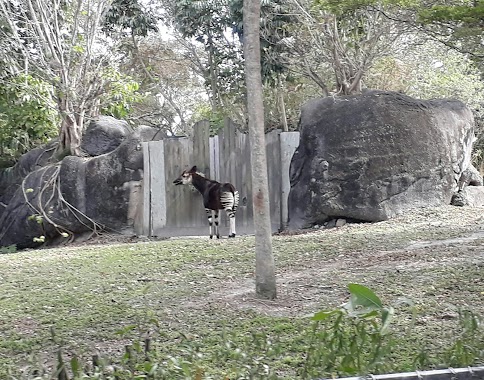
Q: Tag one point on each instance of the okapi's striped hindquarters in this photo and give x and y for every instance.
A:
(216, 196)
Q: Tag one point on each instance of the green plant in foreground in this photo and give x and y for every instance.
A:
(8, 249)
(468, 346)
(352, 339)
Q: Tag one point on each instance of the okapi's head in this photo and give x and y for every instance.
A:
(186, 177)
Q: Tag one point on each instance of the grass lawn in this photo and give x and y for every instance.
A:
(196, 296)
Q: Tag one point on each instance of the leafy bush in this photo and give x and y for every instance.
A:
(121, 95)
(353, 339)
(216, 119)
(468, 346)
(28, 116)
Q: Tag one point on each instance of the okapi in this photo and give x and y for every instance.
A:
(216, 196)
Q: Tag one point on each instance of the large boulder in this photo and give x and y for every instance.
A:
(77, 195)
(373, 156)
(11, 178)
(104, 135)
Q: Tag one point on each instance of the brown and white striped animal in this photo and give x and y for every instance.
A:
(216, 196)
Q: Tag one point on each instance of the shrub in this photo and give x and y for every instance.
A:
(28, 116)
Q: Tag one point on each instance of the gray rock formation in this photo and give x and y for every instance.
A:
(470, 177)
(11, 178)
(104, 135)
(470, 189)
(373, 156)
(473, 196)
(76, 195)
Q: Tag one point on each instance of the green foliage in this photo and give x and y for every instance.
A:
(122, 93)
(353, 339)
(433, 71)
(28, 116)
(39, 219)
(216, 119)
(275, 25)
(353, 35)
(208, 22)
(8, 249)
(459, 24)
(341, 7)
(129, 15)
(201, 19)
(430, 71)
(472, 15)
(439, 72)
(468, 346)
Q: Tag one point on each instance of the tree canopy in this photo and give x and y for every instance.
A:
(166, 63)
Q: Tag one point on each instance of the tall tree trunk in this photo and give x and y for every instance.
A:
(265, 271)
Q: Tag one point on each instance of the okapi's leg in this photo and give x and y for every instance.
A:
(216, 224)
(231, 215)
(210, 222)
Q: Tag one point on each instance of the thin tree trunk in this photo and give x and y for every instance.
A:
(282, 106)
(70, 133)
(70, 136)
(265, 271)
(213, 77)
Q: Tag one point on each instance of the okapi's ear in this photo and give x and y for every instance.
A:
(194, 169)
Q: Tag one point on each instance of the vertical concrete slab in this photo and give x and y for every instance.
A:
(184, 204)
(289, 142)
(146, 219)
(158, 185)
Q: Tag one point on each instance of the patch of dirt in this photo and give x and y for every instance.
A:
(26, 326)
(299, 294)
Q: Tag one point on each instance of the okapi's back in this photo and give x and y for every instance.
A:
(228, 187)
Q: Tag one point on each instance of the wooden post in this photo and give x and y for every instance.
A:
(95, 361)
(214, 158)
(273, 152)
